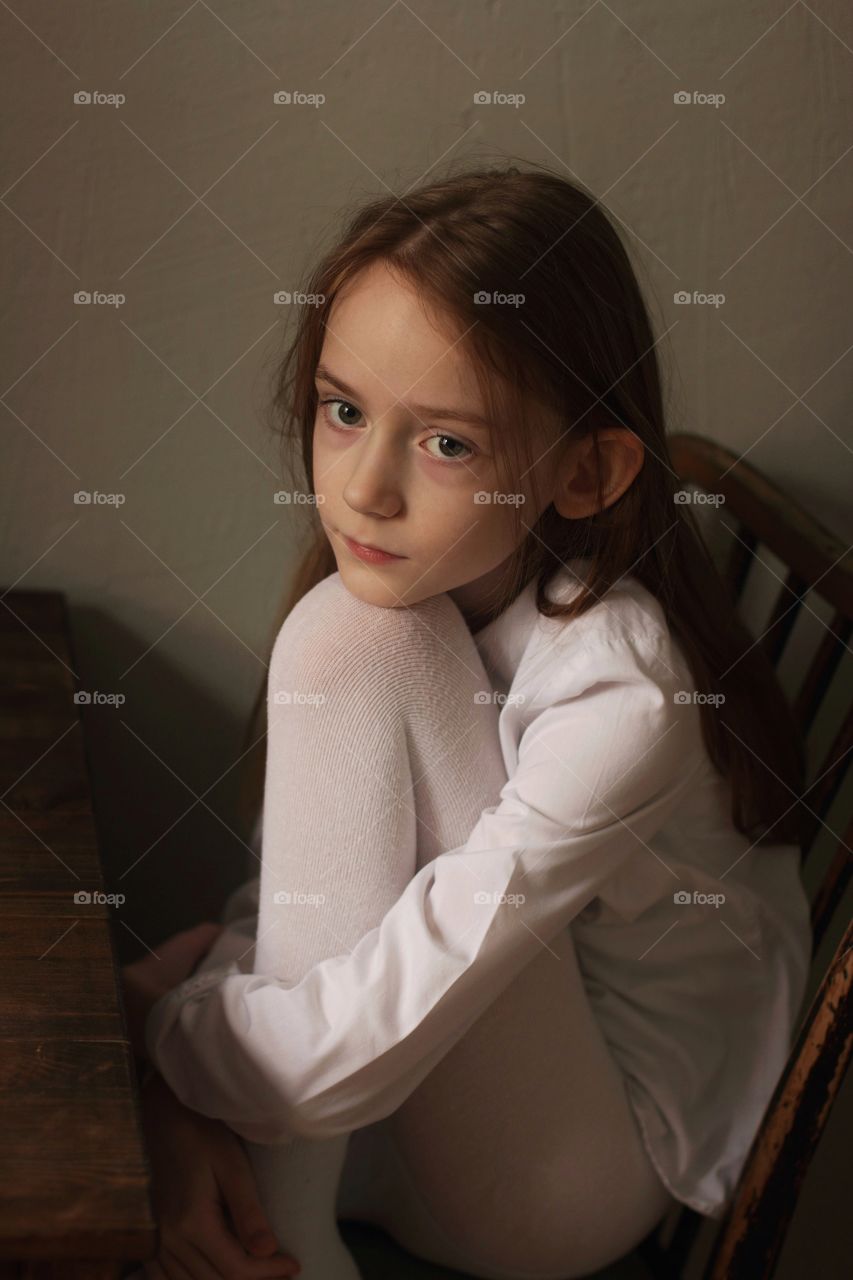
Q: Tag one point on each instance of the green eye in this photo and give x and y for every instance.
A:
(346, 405)
(463, 451)
(451, 440)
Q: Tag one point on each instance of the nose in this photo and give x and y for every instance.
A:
(373, 486)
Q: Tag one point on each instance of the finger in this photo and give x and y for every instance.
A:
(188, 1259)
(186, 942)
(239, 1189)
(223, 1250)
(204, 934)
(191, 942)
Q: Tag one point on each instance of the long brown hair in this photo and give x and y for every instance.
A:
(579, 351)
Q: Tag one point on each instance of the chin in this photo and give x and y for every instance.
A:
(366, 586)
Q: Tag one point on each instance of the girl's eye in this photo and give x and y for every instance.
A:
(346, 404)
(451, 440)
(445, 441)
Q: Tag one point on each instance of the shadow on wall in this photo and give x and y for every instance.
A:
(164, 784)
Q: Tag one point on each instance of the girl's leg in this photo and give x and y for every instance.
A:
(518, 1157)
(374, 736)
(518, 1154)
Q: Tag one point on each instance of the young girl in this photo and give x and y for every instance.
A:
(529, 923)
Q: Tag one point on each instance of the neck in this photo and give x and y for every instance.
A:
(478, 600)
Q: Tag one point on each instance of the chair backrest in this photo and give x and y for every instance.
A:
(750, 522)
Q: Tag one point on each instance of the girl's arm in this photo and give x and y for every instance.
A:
(600, 770)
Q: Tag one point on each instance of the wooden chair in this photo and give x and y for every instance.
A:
(758, 520)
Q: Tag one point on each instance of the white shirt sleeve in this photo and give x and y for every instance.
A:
(600, 769)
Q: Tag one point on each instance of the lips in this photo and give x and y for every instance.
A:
(369, 546)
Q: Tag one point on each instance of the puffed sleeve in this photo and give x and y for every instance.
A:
(601, 766)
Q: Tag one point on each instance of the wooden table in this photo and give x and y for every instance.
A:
(74, 1177)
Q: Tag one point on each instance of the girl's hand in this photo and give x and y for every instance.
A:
(201, 1177)
(146, 980)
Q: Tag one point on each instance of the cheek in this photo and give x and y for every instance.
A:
(492, 527)
(323, 458)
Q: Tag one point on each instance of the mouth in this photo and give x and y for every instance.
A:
(365, 551)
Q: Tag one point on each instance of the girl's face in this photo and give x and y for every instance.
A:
(401, 459)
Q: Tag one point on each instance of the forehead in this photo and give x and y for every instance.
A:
(382, 336)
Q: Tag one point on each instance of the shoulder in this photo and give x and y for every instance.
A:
(624, 635)
(627, 611)
(607, 696)
(604, 725)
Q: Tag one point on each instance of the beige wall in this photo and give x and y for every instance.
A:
(198, 198)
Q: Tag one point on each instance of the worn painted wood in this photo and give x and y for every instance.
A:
(751, 1236)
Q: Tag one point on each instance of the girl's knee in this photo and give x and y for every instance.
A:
(332, 635)
(325, 630)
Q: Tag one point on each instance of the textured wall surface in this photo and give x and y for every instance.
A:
(148, 164)
(183, 187)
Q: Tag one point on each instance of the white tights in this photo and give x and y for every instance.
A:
(518, 1157)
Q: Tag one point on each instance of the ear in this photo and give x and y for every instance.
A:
(621, 458)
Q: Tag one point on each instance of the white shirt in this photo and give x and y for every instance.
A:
(612, 808)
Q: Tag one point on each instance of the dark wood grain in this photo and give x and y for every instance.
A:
(74, 1177)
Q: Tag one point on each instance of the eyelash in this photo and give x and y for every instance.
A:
(339, 426)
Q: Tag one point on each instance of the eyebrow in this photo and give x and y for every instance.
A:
(421, 410)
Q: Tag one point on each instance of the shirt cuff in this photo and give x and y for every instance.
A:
(164, 1010)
